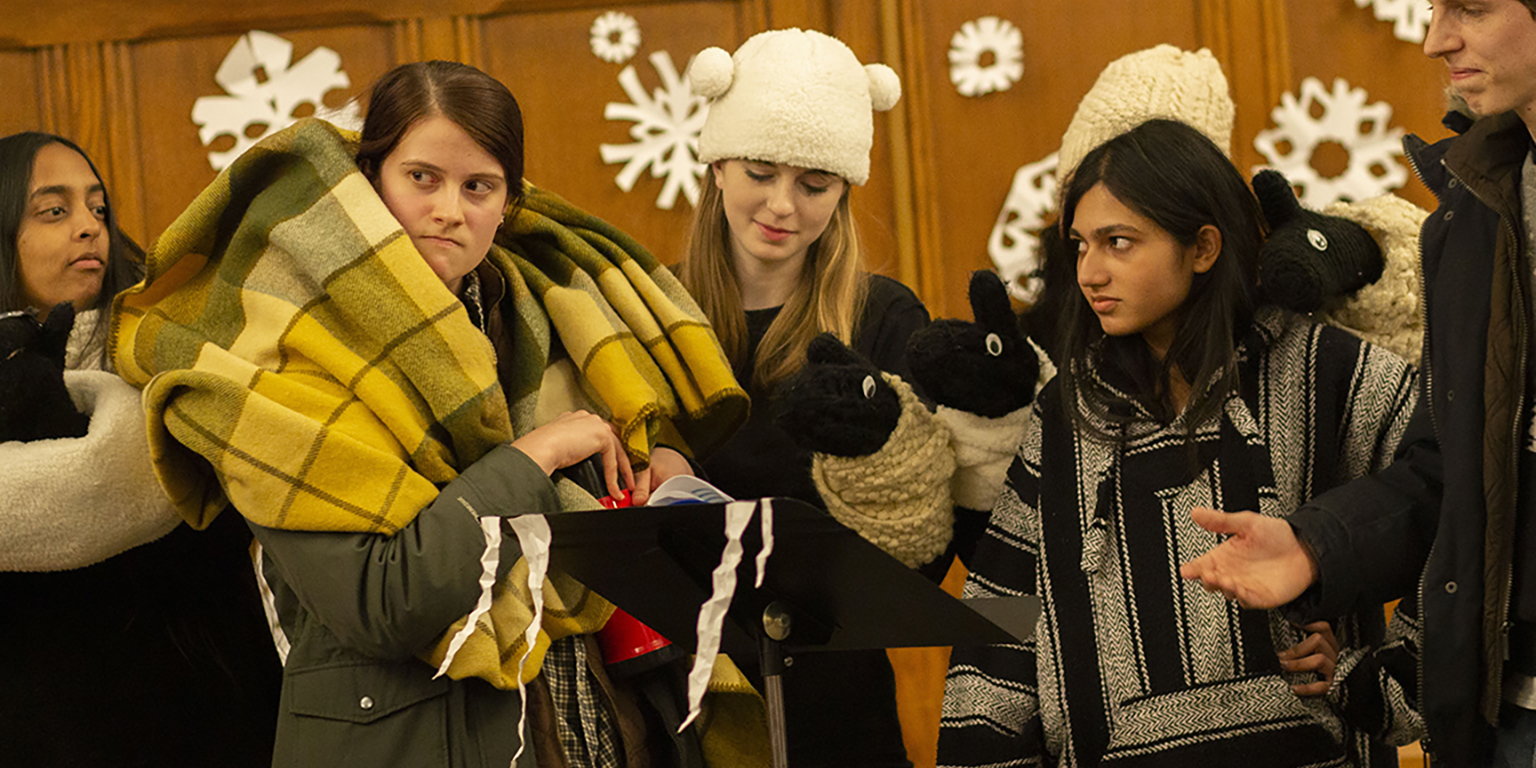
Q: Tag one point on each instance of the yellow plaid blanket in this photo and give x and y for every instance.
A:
(300, 360)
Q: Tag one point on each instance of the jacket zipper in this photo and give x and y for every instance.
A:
(1509, 570)
(1424, 743)
(1425, 370)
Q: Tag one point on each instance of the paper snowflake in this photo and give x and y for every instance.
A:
(1345, 118)
(1410, 18)
(264, 92)
(988, 34)
(666, 133)
(1013, 245)
(615, 37)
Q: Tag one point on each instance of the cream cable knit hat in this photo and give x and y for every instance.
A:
(1158, 82)
(795, 97)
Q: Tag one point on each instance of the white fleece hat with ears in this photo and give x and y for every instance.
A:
(1162, 81)
(795, 97)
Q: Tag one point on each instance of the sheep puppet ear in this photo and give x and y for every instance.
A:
(990, 305)
(1277, 199)
(826, 349)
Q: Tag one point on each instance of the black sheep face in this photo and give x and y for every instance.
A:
(1310, 258)
(987, 367)
(34, 402)
(838, 403)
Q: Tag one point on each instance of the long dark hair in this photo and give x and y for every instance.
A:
(473, 100)
(1175, 176)
(125, 262)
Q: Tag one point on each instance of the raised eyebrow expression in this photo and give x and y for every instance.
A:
(1110, 230)
(419, 165)
(95, 197)
(1458, 5)
(63, 191)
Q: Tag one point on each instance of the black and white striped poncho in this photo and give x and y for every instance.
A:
(1132, 665)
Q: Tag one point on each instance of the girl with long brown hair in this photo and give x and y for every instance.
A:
(774, 260)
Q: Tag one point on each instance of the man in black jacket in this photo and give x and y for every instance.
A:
(1451, 524)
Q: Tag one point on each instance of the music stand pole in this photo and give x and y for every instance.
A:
(776, 628)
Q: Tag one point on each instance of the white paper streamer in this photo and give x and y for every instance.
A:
(489, 559)
(712, 613)
(533, 536)
(762, 554)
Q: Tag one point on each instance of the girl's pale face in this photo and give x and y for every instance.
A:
(448, 193)
(62, 244)
(775, 211)
(1133, 273)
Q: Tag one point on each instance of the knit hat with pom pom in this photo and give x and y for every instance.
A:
(794, 97)
(1162, 81)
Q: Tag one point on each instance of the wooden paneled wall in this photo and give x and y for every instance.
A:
(121, 78)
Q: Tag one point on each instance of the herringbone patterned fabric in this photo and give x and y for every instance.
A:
(1132, 665)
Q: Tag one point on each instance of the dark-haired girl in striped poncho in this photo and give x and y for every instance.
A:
(1177, 389)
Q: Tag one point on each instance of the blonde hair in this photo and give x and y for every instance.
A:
(829, 295)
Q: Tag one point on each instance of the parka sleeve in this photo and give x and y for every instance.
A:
(74, 502)
(392, 596)
(1370, 536)
(1376, 680)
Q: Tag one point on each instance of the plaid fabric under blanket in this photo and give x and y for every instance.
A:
(299, 359)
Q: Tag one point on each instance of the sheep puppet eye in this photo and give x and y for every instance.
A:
(994, 345)
(1317, 239)
(869, 387)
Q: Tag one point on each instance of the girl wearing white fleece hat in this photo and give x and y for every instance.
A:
(773, 260)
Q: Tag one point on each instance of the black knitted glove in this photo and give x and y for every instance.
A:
(986, 367)
(1309, 257)
(837, 404)
(34, 403)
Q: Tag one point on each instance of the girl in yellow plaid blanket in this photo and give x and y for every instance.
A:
(442, 147)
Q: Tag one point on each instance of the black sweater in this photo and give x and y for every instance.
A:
(840, 707)
(761, 459)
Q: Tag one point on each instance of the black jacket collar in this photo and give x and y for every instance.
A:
(1488, 158)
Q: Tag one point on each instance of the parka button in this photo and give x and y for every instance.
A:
(1452, 183)
(365, 702)
(1450, 215)
(1450, 587)
(1450, 395)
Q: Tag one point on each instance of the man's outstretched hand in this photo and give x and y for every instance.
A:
(1260, 565)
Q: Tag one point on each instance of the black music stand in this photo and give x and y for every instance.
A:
(826, 588)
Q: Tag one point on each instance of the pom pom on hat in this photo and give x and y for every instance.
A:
(884, 86)
(1162, 81)
(793, 96)
(711, 72)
